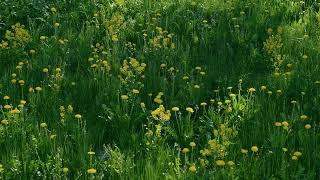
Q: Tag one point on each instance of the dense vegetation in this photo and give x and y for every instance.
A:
(166, 89)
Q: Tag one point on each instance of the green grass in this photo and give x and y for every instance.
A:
(100, 79)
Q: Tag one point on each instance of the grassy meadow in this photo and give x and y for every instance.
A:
(159, 89)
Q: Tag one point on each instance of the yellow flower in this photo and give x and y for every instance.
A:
(285, 124)
(65, 170)
(38, 89)
(263, 88)
(254, 148)
(42, 37)
(251, 90)
(15, 111)
(91, 153)
(307, 126)
(5, 122)
(230, 163)
(304, 56)
(53, 9)
(189, 109)
(56, 24)
(135, 91)
(6, 97)
(293, 102)
(161, 114)
(284, 149)
(295, 158)
(45, 70)
(21, 82)
(244, 151)
(91, 171)
(303, 117)
(58, 70)
(124, 97)
(163, 65)
(7, 106)
(77, 116)
(43, 125)
(220, 163)
(142, 105)
(114, 38)
(278, 124)
(297, 153)
(192, 144)
(185, 77)
(203, 104)
(185, 150)
(196, 86)
(175, 109)
(193, 168)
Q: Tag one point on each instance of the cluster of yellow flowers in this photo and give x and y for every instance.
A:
(132, 70)
(55, 79)
(273, 46)
(19, 69)
(161, 114)
(17, 37)
(161, 39)
(218, 146)
(115, 25)
(158, 99)
(63, 112)
(98, 60)
(284, 124)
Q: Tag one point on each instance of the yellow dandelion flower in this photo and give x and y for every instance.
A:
(91, 171)
(192, 144)
(185, 150)
(278, 124)
(124, 97)
(175, 109)
(65, 170)
(251, 90)
(38, 89)
(297, 153)
(254, 149)
(6, 97)
(142, 105)
(193, 168)
(295, 158)
(230, 163)
(203, 104)
(135, 91)
(244, 151)
(91, 153)
(45, 70)
(189, 109)
(15, 111)
(220, 163)
(43, 125)
(5, 122)
(303, 117)
(7, 107)
(307, 126)
(78, 116)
